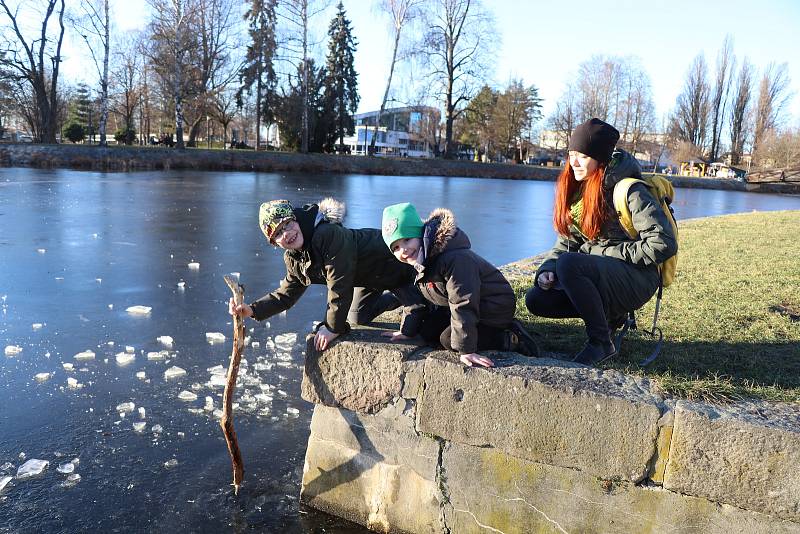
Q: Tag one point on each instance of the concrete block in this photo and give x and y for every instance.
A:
(549, 411)
(490, 491)
(746, 454)
(362, 372)
(374, 470)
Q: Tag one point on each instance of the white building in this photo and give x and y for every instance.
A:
(403, 132)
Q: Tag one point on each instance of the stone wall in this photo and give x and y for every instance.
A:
(406, 439)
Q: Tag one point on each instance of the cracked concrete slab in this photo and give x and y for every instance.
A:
(490, 491)
(746, 454)
(549, 411)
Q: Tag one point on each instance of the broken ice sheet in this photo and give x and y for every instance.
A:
(42, 377)
(160, 355)
(194, 266)
(4, 482)
(31, 468)
(292, 411)
(85, 355)
(215, 337)
(124, 358)
(139, 310)
(217, 381)
(68, 366)
(187, 396)
(13, 350)
(66, 469)
(157, 429)
(71, 480)
(174, 372)
(141, 375)
(139, 426)
(165, 340)
(171, 463)
(126, 407)
(37, 326)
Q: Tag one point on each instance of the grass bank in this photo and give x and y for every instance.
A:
(731, 319)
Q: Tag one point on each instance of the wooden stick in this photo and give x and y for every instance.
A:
(227, 399)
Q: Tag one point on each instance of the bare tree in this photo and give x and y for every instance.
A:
(95, 28)
(599, 81)
(401, 13)
(740, 111)
(719, 98)
(781, 149)
(173, 41)
(773, 95)
(224, 108)
(458, 36)
(126, 84)
(29, 65)
(297, 15)
(566, 116)
(690, 117)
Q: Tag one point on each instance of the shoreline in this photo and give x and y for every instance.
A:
(123, 158)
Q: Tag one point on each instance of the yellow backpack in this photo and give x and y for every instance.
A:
(662, 190)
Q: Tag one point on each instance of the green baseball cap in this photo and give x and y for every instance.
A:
(400, 221)
(272, 215)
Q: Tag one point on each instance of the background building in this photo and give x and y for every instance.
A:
(403, 132)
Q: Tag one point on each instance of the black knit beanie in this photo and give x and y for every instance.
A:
(594, 138)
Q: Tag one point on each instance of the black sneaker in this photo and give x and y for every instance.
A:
(594, 353)
(526, 345)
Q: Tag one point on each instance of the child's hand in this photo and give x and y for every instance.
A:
(396, 336)
(470, 359)
(323, 338)
(242, 309)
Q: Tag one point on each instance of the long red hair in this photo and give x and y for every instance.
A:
(594, 213)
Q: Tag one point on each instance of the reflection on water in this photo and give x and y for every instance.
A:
(77, 249)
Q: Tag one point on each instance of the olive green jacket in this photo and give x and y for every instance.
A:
(656, 242)
(338, 257)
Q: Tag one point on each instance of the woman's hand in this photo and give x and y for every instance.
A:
(323, 338)
(546, 280)
(396, 336)
(242, 310)
(474, 358)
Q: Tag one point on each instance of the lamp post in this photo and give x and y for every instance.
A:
(208, 134)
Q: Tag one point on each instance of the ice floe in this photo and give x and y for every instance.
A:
(171, 463)
(31, 468)
(85, 355)
(139, 310)
(141, 375)
(126, 407)
(4, 482)
(124, 358)
(215, 337)
(139, 426)
(66, 468)
(13, 350)
(42, 377)
(71, 480)
(68, 366)
(157, 429)
(37, 326)
(165, 340)
(174, 372)
(187, 396)
(194, 266)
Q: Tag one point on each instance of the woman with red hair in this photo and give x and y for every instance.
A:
(596, 271)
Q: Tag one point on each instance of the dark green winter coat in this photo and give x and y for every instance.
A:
(338, 257)
(656, 242)
(454, 276)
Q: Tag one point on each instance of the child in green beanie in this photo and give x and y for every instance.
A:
(475, 302)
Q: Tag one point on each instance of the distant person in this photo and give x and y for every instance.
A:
(475, 302)
(354, 264)
(596, 271)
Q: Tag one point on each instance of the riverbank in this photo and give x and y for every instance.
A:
(731, 319)
(122, 158)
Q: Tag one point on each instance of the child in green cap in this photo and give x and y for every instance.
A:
(475, 302)
(353, 263)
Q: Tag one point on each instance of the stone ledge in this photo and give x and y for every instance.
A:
(747, 455)
(362, 373)
(547, 411)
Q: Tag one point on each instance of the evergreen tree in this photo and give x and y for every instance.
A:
(341, 83)
(258, 68)
(289, 109)
(83, 112)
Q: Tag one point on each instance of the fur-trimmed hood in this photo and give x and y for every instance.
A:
(441, 233)
(333, 210)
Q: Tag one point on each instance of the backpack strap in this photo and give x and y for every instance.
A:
(621, 190)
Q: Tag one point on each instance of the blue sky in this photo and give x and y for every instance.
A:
(543, 42)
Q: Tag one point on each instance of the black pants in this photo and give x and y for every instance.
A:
(598, 289)
(369, 303)
(436, 331)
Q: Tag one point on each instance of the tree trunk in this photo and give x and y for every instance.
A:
(386, 92)
(304, 119)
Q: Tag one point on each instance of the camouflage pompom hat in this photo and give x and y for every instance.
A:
(272, 215)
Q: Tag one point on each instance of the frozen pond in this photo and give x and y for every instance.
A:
(82, 257)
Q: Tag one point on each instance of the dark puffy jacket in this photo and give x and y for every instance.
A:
(338, 257)
(656, 242)
(454, 276)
